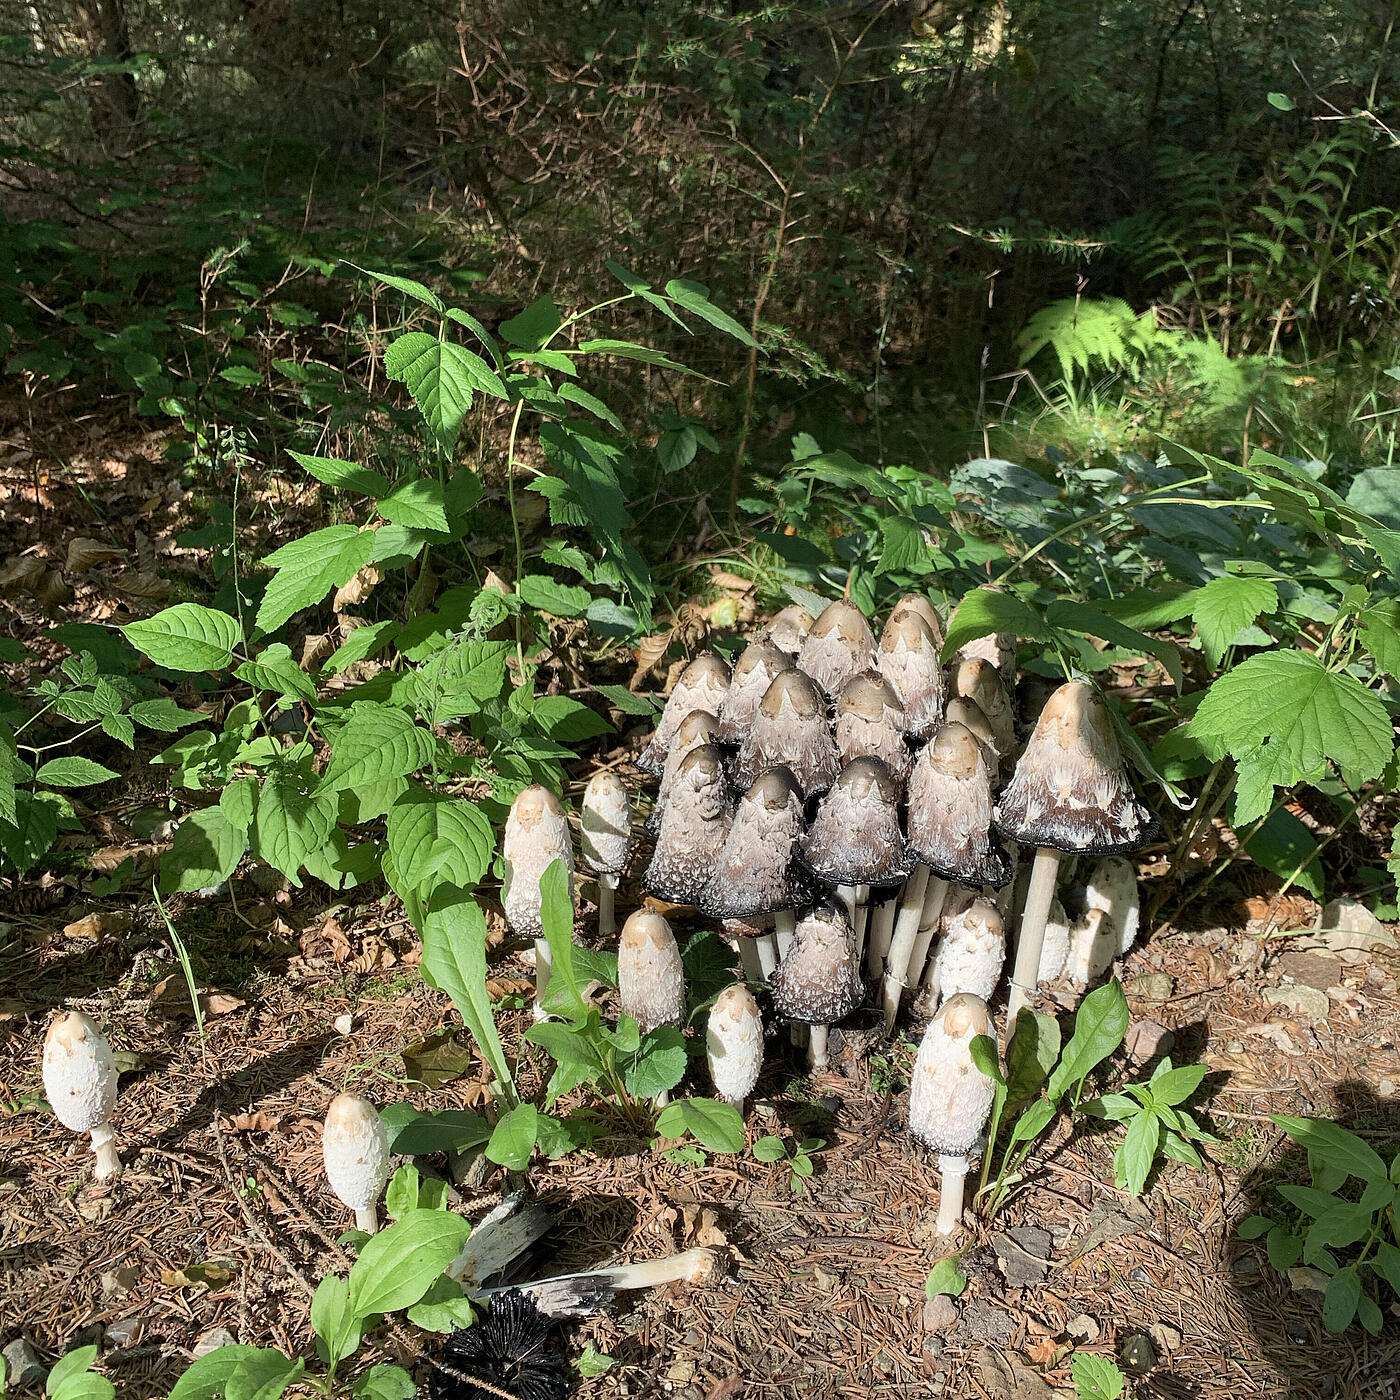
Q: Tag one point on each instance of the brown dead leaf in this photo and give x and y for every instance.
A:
(85, 554)
(144, 585)
(721, 578)
(327, 940)
(348, 595)
(206, 1275)
(730, 1388)
(700, 1226)
(260, 1121)
(23, 572)
(498, 987)
(107, 858)
(170, 996)
(375, 955)
(97, 925)
(648, 653)
(11, 1010)
(52, 592)
(314, 650)
(1044, 1352)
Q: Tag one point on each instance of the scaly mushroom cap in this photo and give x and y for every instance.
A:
(909, 660)
(977, 680)
(650, 979)
(949, 1097)
(968, 713)
(839, 646)
(698, 727)
(870, 721)
(355, 1149)
(734, 1043)
(972, 953)
(537, 834)
(754, 672)
(950, 810)
(1054, 951)
(916, 603)
(755, 873)
(1113, 888)
(788, 630)
(690, 835)
(855, 838)
(790, 731)
(819, 980)
(605, 829)
(998, 649)
(702, 686)
(80, 1076)
(1070, 791)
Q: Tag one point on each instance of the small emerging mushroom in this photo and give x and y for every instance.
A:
(788, 630)
(692, 829)
(80, 1083)
(818, 981)
(698, 727)
(1109, 926)
(968, 713)
(734, 1043)
(1055, 950)
(537, 834)
(949, 1097)
(702, 686)
(839, 646)
(909, 660)
(756, 669)
(355, 1149)
(790, 731)
(650, 978)
(979, 681)
(998, 649)
(971, 954)
(870, 722)
(605, 835)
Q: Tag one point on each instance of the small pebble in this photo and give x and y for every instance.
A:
(940, 1313)
(1165, 1339)
(23, 1367)
(124, 1331)
(212, 1340)
(1140, 1275)
(1137, 1353)
(1083, 1330)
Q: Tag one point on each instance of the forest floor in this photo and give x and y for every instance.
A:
(222, 1218)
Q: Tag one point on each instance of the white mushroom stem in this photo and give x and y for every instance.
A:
(1039, 894)
(543, 963)
(694, 1266)
(766, 946)
(750, 959)
(862, 917)
(784, 923)
(934, 897)
(816, 1047)
(848, 897)
(953, 1171)
(881, 930)
(367, 1219)
(906, 930)
(607, 889)
(104, 1146)
(662, 1099)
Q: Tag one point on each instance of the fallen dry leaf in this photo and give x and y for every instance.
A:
(375, 955)
(648, 652)
(260, 1121)
(171, 997)
(84, 554)
(721, 578)
(204, 1275)
(439, 1059)
(359, 588)
(97, 925)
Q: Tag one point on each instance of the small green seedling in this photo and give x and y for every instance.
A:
(72, 1378)
(946, 1278)
(800, 1160)
(594, 1363)
(1096, 1378)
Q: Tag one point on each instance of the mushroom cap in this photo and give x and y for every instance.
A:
(949, 1097)
(734, 1043)
(968, 713)
(870, 720)
(909, 659)
(355, 1149)
(650, 978)
(1113, 888)
(754, 672)
(690, 834)
(1070, 791)
(80, 1075)
(855, 838)
(998, 648)
(790, 730)
(819, 980)
(751, 926)
(788, 629)
(605, 827)
(950, 810)
(920, 606)
(972, 952)
(702, 686)
(698, 727)
(839, 646)
(755, 873)
(536, 835)
(1055, 949)
(973, 678)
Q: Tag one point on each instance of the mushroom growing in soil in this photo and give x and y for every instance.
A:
(790, 731)
(691, 832)
(734, 1043)
(756, 872)
(977, 680)
(788, 630)
(971, 954)
(1054, 951)
(698, 727)
(702, 686)
(756, 669)
(80, 1083)
(537, 834)
(742, 935)
(949, 1097)
(1109, 926)
(909, 660)
(355, 1149)
(818, 981)
(650, 978)
(605, 834)
(870, 721)
(839, 646)
(1070, 792)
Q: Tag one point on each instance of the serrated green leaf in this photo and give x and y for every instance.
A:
(568, 721)
(1379, 627)
(550, 596)
(695, 297)
(291, 820)
(376, 744)
(361, 644)
(310, 567)
(1226, 605)
(659, 1064)
(902, 545)
(346, 475)
(629, 702)
(74, 771)
(417, 505)
(987, 610)
(533, 326)
(440, 376)
(275, 669)
(438, 840)
(163, 715)
(1096, 1377)
(1091, 622)
(407, 286)
(187, 637)
(206, 850)
(1282, 845)
(30, 836)
(628, 350)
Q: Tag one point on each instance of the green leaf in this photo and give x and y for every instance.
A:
(1226, 605)
(163, 715)
(454, 961)
(438, 840)
(902, 545)
(986, 610)
(29, 838)
(986, 1057)
(1339, 1302)
(695, 298)
(73, 772)
(1030, 1057)
(1379, 627)
(346, 475)
(205, 852)
(592, 1362)
(1282, 845)
(1369, 1315)
(1080, 618)
(659, 1064)
(676, 448)
(12, 770)
(1281, 102)
(70, 1371)
(627, 350)
(1032, 1122)
(275, 668)
(571, 393)
(187, 637)
(533, 326)
(291, 821)
(1254, 1227)
(264, 1376)
(1335, 1145)
(629, 702)
(557, 920)
(310, 567)
(550, 596)
(567, 1044)
(1337, 1228)
(1095, 1377)
(1284, 1248)
(568, 721)
(513, 1139)
(377, 743)
(239, 800)
(401, 1195)
(1175, 1086)
(946, 1278)
(1133, 1160)
(717, 1126)
(407, 286)
(1099, 1027)
(1387, 1264)
(389, 1382)
(447, 1130)
(361, 644)
(209, 1376)
(399, 1264)
(769, 1149)
(417, 505)
(337, 1333)
(442, 1308)
(1282, 715)
(440, 376)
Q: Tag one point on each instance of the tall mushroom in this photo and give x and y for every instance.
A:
(698, 727)
(734, 1043)
(909, 660)
(80, 1083)
(949, 1097)
(537, 834)
(971, 954)
(757, 667)
(355, 1150)
(692, 829)
(1070, 792)
(839, 646)
(605, 835)
(650, 977)
(870, 721)
(702, 686)
(790, 731)
(788, 630)
(818, 981)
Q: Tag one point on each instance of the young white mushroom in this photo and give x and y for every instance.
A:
(650, 978)
(699, 727)
(692, 829)
(734, 1043)
(839, 646)
(949, 1097)
(355, 1149)
(702, 686)
(790, 731)
(537, 834)
(974, 679)
(818, 981)
(1109, 926)
(605, 836)
(925, 611)
(999, 649)
(80, 1083)
(909, 660)
(1054, 951)
(971, 954)
(757, 667)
